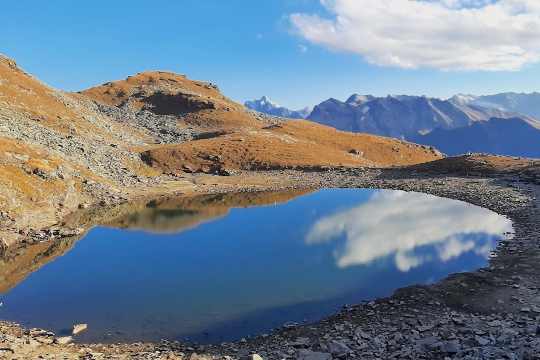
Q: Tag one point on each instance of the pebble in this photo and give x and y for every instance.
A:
(79, 328)
(313, 355)
(64, 340)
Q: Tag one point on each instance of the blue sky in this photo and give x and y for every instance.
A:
(249, 48)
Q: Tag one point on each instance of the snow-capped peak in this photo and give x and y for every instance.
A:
(266, 101)
(462, 99)
(267, 106)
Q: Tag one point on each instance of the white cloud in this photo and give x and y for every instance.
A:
(441, 34)
(398, 224)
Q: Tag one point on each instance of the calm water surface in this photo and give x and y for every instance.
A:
(219, 268)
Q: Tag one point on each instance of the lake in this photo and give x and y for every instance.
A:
(218, 268)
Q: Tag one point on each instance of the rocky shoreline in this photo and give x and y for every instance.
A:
(492, 313)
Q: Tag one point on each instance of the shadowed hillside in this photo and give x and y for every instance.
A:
(511, 137)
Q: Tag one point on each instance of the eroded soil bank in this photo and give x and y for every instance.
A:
(490, 313)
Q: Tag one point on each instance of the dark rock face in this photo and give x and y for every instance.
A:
(173, 104)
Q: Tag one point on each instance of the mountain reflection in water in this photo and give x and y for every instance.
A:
(174, 215)
(221, 267)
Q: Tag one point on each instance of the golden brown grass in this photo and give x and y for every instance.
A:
(295, 144)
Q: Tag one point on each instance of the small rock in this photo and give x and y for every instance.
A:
(482, 341)
(338, 348)
(313, 355)
(300, 342)
(425, 328)
(450, 347)
(78, 328)
(64, 340)
(532, 329)
(359, 333)
(427, 343)
(195, 356)
(253, 357)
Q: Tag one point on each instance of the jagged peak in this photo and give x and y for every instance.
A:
(462, 99)
(357, 99)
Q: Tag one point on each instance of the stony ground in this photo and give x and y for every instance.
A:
(493, 313)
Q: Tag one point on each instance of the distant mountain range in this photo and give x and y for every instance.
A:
(401, 116)
(511, 137)
(503, 123)
(266, 106)
(526, 104)
(397, 116)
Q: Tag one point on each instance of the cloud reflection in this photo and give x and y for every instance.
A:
(399, 224)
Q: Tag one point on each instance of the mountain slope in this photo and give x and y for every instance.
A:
(526, 104)
(56, 152)
(266, 106)
(398, 116)
(299, 145)
(512, 137)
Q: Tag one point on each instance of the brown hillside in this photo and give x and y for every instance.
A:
(21, 92)
(23, 95)
(294, 144)
(486, 164)
(163, 93)
(482, 165)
